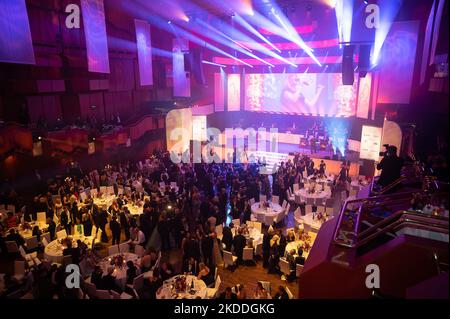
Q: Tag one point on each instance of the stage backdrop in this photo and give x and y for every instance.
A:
(300, 93)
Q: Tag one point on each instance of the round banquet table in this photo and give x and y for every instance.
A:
(254, 235)
(120, 273)
(326, 180)
(28, 233)
(134, 209)
(168, 292)
(318, 195)
(261, 212)
(313, 224)
(295, 244)
(54, 250)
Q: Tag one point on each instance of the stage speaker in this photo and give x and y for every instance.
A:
(193, 64)
(364, 59)
(348, 76)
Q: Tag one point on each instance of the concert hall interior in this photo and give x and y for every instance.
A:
(245, 149)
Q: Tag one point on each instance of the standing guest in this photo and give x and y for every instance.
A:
(190, 266)
(239, 243)
(64, 220)
(266, 246)
(322, 167)
(115, 230)
(87, 224)
(124, 224)
(227, 238)
(51, 228)
(103, 221)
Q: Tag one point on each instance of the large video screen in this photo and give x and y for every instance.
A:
(319, 94)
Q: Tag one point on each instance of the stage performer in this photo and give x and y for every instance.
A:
(293, 95)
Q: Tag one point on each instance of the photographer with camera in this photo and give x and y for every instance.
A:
(390, 166)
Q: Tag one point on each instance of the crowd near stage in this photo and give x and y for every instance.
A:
(215, 158)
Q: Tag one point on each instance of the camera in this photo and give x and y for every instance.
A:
(385, 152)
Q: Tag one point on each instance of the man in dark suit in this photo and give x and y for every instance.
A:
(51, 228)
(115, 230)
(239, 243)
(109, 281)
(390, 166)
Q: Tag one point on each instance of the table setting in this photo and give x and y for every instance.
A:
(182, 287)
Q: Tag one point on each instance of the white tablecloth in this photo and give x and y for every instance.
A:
(120, 272)
(294, 245)
(255, 235)
(168, 292)
(28, 233)
(54, 250)
(309, 222)
(317, 196)
(272, 211)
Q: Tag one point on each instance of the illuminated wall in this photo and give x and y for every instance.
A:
(364, 96)
(95, 33)
(144, 50)
(398, 57)
(181, 80)
(234, 92)
(15, 37)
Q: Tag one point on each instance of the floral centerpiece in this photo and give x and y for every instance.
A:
(321, 217)
(180, 284)
(25, 226)
(265, 204)
(312, 188)
(306, 246)
(118, 260)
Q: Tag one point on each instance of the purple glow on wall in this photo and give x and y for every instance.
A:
(181, 78)
(144, 49)
(95, 32)
(398, 57)
(15, 37)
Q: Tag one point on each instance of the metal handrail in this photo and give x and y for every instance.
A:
(399, 214)
(402, 222)
(391, 185)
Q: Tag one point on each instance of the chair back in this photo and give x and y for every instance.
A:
(124, 247)
(61, 234)
(247, 254)
(258, 249)
(103, 189)
(46, 236)
(284, 266)
(296, 187)
(308, 209)
(257, 225)
(138, 282)
(23, 253)
(42, 217)
(44, 241)
(31, 243)
(284, 204)
(217, 283)
(11, 247)
(266, 285)
(98, 238)
(228, 258)
(110, 190)
(112, 250)
(262, 198)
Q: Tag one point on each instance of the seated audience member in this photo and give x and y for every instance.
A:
(241, 292)
(96, 277)
(281, 293)
(228, 294)
(15, 236)
(109, 281)
(70, 251)
(131, 272)
(300, 259)
(166, 271)
(191, 266)
(261, 292)
(205, 274)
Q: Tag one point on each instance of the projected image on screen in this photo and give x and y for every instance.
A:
(300, 93)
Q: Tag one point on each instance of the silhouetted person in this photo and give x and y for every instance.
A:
(390, 166)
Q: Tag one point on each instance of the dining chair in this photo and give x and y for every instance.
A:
(257, 225)
(308, 209)
(266, 285)
(247, 254)
(285, 268)
(297, 213)
(19, 270)
(298, 270)
(291, 296)
(103, 189)
(212, 292)
(11, 247)
(31, 243)
(284, 204)
(42, 217)
(262, 198)
(228, 259)
(258, 250)
(61, 234)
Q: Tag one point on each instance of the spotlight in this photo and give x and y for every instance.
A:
(169, 22)
(39, 138)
